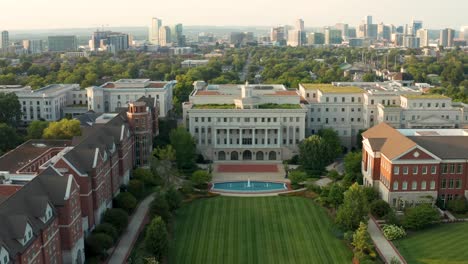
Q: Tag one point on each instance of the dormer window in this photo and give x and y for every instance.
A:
(4, 256)
(47, 214)
(28, 234)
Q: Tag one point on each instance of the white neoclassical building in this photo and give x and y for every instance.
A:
(247, 122)
(113, 95)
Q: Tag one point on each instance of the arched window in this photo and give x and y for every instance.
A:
(404, 186)
(395, 185)
(414, 185)
(222, 155)
(234, 155)
(259, 155)
(247, 155)
(272, 155)
(423, 185)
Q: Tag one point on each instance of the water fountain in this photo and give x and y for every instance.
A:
(248, 183)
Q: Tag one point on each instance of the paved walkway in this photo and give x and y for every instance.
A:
(125, 245)
(383, 245)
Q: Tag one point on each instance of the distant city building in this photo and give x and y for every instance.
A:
(384, 32)
(344, 28)
(371, 31)
(368, 20)
(397, 39)
(295, 38)
(33, 46)
(62, 43)
(300, 25)
(352, 32)
(4, 40)
(464, 33)
(446, 37)
(165, 36)
(356, 42)
(415, 26)
(177, 35)
(316, 38)
(411, 42)
(241, 38)
(182, 50)
(333, 36)
(423, 35)
(278, 35)
(155, 26)
(194, 63)
(112, 96)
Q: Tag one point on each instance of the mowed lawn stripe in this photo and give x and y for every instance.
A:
(446, 243)
(273, 230)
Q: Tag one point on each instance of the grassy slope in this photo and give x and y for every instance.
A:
(255, 230)
(444, 244)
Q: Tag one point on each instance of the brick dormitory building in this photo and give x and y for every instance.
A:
(409, 166)
(54, 192)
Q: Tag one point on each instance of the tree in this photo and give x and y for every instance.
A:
(354, 208)
(420, 217)
(184, 146)
(136, 188)
(156, 238)
(107, 229)
(335, 195)
(173, 198)
(98, 243)
(200, 177)
(163, 166)
(116, 217)
(146, 176)
(369, 77)
(334, 175)
(36, 129)
(63, 129)
(160, 207)
(8, 138)
(379, 208)
(10, 109)
(297, 177)
(332, 142)
(311, 155)
(126, 201)
(361, 241)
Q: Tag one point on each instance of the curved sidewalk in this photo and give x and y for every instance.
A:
(385, 248)
(126, 242)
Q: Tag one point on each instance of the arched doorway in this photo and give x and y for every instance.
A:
(272, 155)
(222, 155)
(247, 155)
(234, 155)
(259, 155)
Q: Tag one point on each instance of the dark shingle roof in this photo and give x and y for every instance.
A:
(444, 147)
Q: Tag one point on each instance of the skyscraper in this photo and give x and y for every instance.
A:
(332, 36)
(165, 36)
(415, 26)
(316, 38)
(33, 46)
(5, 40)
(368, 20)
(464, 32)
(295, 38)
(62, 43)
(446, 37)
(423, 35)
(177, 35)
(344, 29)
(278, 35)
(155, 27)
(384, 32)
(300, 24)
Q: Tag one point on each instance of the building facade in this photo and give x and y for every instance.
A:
(245, 122)
(62, 43)
(410, 166)
(114, 95)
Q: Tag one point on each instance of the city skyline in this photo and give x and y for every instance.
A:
(244, 13)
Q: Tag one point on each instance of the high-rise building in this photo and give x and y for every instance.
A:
(411, 42)
(5, 40)
(33, 46)
(371, 31)
(295, 38)
(316, 38)
(300, 24)
(332, 36)
(351, 32)
(278, 35)
(177, 35)
(383, 32)
(368, 20)
(155, 27)
(62, 43)
(446, 37)
(415, 26)
(241, 38)
(109, 41)
(464, 32)
(397, 39)
(344, 29)
(423, 35)
(165, 36)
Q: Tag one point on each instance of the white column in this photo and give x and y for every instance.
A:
(206, 135)
(215, 142)
(228, 137)
(294, 135)
(287, 135)
(266, 136)
(240, 136)
(253, 137)
(279, 137)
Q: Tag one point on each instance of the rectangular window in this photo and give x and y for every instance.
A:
(459, 168)
(458, 184)
(424, 170)
(432, 185)
(423, 185)
(444, 168)
(395, 186)
(433, 169)
(404, 186)
(452, 168)
(444, 184)
(415, 170)
(414, 185)
(396, 170)
(405, 170)
(451, 184)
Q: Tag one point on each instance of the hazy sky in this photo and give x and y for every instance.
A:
(38, 14)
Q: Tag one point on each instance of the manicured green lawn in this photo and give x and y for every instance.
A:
(260, 230)
(444, 244)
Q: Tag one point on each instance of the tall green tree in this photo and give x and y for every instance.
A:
(63, 129)
(311, 155)
(361, 241)
(354, 209)
(36, 129)
(332, 142)
(156, 238)
(184, 145)
(8, 138)
(10, 109)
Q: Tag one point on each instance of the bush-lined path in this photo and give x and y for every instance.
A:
(255, 230)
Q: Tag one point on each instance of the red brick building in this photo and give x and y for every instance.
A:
(409, 166)
(40, 222)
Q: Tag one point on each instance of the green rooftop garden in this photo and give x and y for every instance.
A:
(330, 88)
(214, 106)
(279, 106)
(425, 96)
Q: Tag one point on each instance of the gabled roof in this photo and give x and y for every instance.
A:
(444, 147)
(388, 140)
(28, 205)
